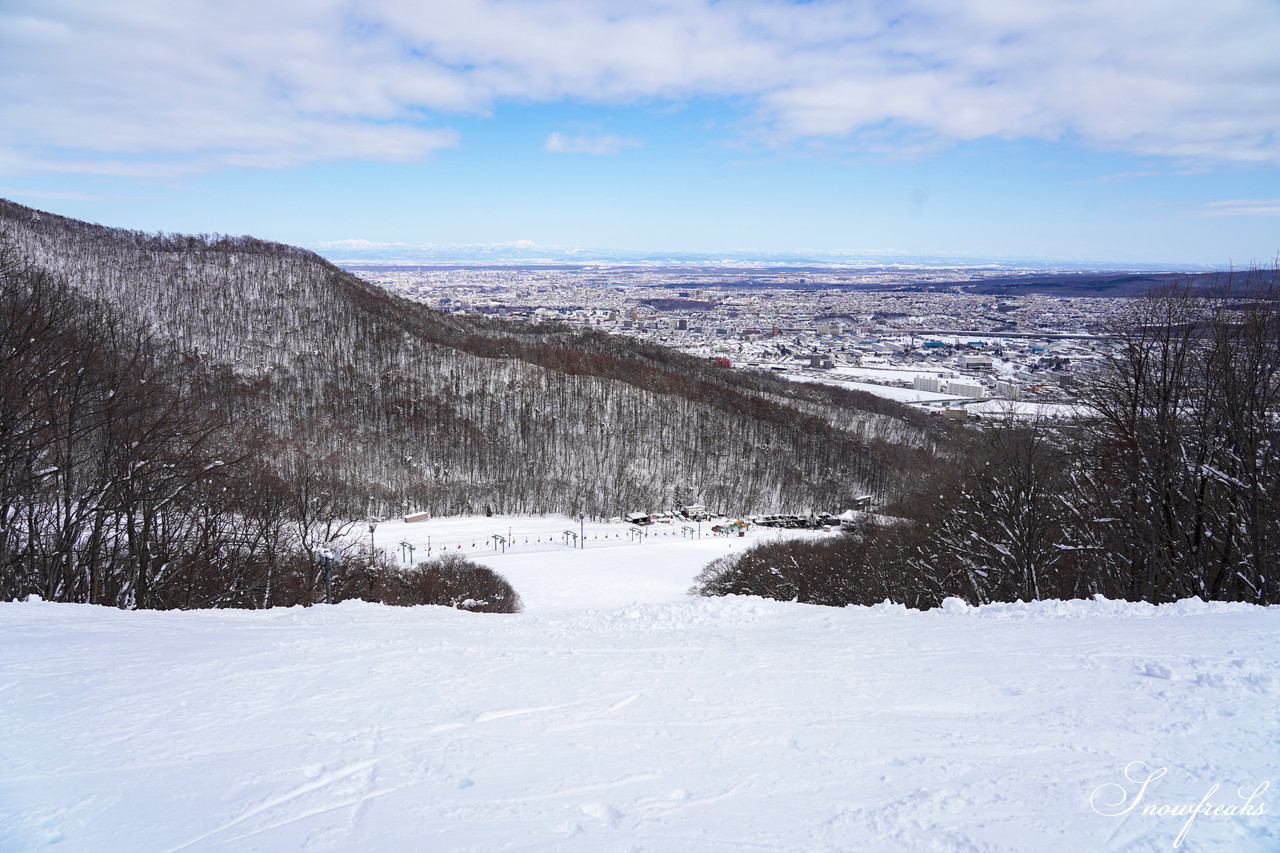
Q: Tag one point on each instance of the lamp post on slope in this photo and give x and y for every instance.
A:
(327, 556)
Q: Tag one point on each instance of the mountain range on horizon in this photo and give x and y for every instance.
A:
(527, 252)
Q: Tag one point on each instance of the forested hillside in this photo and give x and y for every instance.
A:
(328, 377)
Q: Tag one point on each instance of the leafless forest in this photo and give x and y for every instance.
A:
(186, 417)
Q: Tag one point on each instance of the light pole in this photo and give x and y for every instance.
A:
(373, 525)
(327, 556)
(582, 530)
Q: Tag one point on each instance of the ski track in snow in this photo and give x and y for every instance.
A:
(617, 714)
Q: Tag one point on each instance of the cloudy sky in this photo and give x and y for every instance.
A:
(1095, 130)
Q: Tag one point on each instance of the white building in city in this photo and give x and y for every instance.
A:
(960, 388)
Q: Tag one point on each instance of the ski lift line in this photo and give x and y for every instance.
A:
(635, 535)
(540, 540)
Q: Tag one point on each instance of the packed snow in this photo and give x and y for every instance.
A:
(618, 714)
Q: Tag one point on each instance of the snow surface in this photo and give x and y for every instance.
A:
(616, 714)
(1030, 410)
(889, 392)
(612, 570)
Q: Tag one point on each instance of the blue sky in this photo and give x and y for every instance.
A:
(1143, 131)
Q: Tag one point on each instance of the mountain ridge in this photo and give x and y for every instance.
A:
(422, 410)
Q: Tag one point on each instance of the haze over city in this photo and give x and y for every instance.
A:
(1087, 132)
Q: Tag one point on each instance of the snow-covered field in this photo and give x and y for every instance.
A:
(998, 407)
(617, 565)
(616, 714)
(889, 392)
(1028, 410)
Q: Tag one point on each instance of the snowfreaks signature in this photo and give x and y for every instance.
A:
(1113, 799)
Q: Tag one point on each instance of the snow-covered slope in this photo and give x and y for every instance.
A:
(587, 724)
(617, 564)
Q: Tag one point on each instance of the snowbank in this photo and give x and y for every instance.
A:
(695, 725)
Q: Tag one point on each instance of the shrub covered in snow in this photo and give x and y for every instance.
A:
(857, 568)
(450, 581)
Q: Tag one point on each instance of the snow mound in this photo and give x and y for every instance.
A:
(1094, 607)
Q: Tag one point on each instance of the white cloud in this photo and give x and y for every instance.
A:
(68, 195)
(558, 143)
(1243, 207)
(358, 244)
(116, 87)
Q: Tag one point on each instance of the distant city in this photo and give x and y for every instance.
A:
(960, 341)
